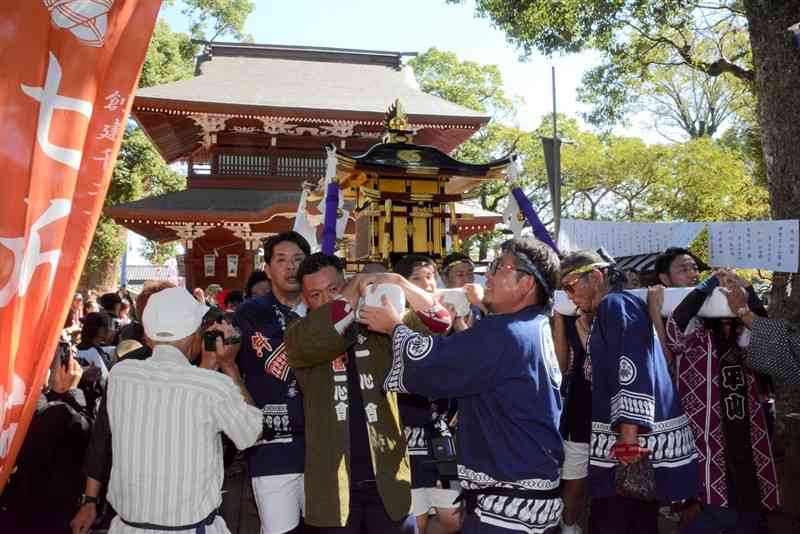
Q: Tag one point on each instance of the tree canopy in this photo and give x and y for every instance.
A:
(748, 40)
(603, 176)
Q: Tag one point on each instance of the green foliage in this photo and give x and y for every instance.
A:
(711, 182)
(169, 57)
(603, 176)
(470, 84)
(159, 253)
(209, 19)
(107, 245)
(645, 44)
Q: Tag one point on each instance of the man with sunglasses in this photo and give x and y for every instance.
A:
(505, 375)
(636, 412)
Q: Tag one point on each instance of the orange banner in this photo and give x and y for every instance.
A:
(70, 68)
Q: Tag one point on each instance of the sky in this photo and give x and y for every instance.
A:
(415, 26)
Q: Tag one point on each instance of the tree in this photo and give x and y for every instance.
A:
(139, 170)
(603, 177)
(688, 102)
(467, 83)
(678, 96)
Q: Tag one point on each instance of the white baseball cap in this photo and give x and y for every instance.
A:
(172, 314)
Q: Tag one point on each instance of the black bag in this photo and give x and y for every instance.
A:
(442, 446)
(636, 480)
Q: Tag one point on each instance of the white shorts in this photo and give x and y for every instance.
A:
(576, 461)
(281, 501)
(423, 499)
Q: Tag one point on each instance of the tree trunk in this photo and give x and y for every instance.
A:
(103, 280)
(777, 86)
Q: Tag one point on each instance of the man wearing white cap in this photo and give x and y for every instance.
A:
(166, 416)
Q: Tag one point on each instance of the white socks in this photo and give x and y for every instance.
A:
(570, 529)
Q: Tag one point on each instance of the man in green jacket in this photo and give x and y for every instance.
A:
(357, 467)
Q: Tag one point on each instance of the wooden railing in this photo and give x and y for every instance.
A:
(253, 162)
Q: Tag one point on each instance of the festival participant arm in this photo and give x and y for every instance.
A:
(563, 351)
(630, 380)
(462, 364)
(775, 349)
(97, 467)
(97, 464)
(433, 314)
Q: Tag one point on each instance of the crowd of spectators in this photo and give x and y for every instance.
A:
(498, 415)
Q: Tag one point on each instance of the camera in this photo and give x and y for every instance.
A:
(64, 353)
(210, 339)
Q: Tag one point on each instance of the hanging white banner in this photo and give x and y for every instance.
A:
(770, 245)
(625, 238)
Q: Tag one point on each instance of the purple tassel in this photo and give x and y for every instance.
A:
(331, 211)
(539, 230)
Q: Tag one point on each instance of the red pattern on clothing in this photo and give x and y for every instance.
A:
(437, 319)
(697, 359)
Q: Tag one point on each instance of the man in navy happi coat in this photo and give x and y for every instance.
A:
(636, 412)
(505, 375)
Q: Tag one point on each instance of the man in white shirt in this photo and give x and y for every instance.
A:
(165, 417)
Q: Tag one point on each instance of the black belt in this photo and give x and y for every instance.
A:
(199, 527)
(470, 496)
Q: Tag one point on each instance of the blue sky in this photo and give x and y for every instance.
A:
(415, 26)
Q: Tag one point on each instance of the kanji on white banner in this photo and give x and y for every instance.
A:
(625, 238)
(770, 245)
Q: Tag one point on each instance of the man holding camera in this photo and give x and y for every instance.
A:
(165, 417)
(505, 375)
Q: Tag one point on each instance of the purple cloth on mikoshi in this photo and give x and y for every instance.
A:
(539, 230)
(331, 210)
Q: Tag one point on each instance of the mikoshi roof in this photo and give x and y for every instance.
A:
(406, 156)
(421, 161)
(277, 77)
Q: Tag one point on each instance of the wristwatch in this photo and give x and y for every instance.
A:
(89, 499)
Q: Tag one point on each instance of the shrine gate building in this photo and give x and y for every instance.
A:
(251, 127)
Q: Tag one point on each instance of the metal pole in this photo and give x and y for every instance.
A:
(556, 189)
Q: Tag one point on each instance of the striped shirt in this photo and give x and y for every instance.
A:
(166, 417)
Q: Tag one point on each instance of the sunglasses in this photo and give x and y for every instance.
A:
(497, 263)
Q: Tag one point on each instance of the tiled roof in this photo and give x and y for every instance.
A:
(210, 201)
(306, 78)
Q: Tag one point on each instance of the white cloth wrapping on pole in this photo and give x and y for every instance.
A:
(330, 174)
(302, 224)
